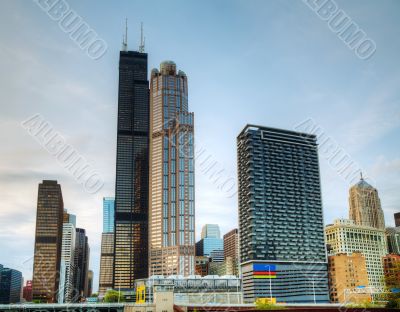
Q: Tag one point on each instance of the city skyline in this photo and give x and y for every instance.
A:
(354, 132)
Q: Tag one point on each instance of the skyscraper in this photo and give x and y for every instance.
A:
(231, 244)
(231, 250)
(171, 202)
(107, 248)
(210, 241)
(132, 171)
(365, 205)
(81, 261)
(10, 285)
(210, 231)
(282, 247)
(67, 266)
(108, 214)
(106, 263)
(48, 241)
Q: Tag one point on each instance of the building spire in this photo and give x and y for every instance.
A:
(142, 39)
(125, 38)
(361, 176)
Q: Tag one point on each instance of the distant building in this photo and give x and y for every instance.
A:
(391, 268)
(27, 291)
(346, 272)
(106, 263)
(202, 265)
(67, 268)
(210, 241)
(344, 236)
(81, 261)
(393, 240)
(217, 256)
(365, 205)
(10, 285)
(231, 244)
(231, 249)
(282, 247)
(226, 267)
(108, 214)
(90, 283)
(48, 242)
(210, 231)
(397, 219)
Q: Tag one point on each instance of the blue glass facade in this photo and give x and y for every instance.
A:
(280, 215)
(108, 214)
(10, 285)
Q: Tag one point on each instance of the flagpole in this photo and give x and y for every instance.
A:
(270, 287)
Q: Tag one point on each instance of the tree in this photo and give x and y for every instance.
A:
(113, 296)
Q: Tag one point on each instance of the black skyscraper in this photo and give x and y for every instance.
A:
(131, 189)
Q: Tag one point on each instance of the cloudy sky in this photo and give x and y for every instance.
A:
(272, 63)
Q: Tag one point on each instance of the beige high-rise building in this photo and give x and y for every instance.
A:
(48, 242)
(365, 205)
(171, 195)
(346, 272)
(106, 263)
(344, 236)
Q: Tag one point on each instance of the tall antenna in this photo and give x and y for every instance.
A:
(142, 39)
(125, 38)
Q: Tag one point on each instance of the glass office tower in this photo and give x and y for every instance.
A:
(171, 201)
(108, 214)
(48, 242)
(282, 248)
(10, 285)
(132, 166)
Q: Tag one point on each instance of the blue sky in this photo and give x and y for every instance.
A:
(273, 63)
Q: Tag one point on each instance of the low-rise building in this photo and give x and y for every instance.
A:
(195, 289)
(346, 272)
(344, 236)
(391, 268)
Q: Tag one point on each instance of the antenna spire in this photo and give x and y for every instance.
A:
(142, 39)
(361, 176)
(125, 38)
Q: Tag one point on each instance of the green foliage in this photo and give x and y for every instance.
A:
(269, 306)
(364, 305)
(95, 295)
(393, 304)
(112, 296)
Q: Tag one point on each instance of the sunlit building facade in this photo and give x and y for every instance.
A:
(346, 272)
(365, 205)
(48, 242)
(171, 202)
(344, 236)
(106, 263)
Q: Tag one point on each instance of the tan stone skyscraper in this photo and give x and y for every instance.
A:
(171, 195)
(48, 242)
(365, 205)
